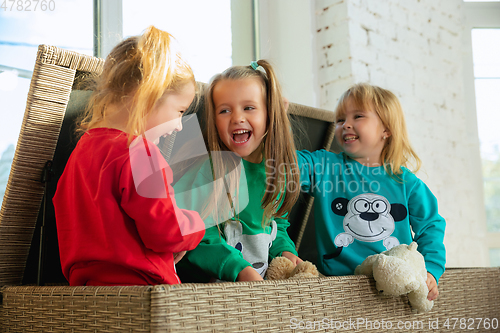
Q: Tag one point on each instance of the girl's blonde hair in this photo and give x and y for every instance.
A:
(397, 152)
(139, 70)
(279, 148)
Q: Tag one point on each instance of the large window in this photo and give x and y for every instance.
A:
(210, 35)
(67, 24)
(486, 53)
(483, 36)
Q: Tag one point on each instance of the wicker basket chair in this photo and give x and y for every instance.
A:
(325, 304)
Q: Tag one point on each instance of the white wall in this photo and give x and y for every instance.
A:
(414, 48)
(287, 40)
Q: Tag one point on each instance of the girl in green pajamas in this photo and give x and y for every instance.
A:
(250, 145)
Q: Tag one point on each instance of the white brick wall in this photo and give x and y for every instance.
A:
(413, 48)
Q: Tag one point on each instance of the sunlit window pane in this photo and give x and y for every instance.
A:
(66, 24)
(495, 257)
(486, 53)
(202, 28)
(486, 46)
(488, 116)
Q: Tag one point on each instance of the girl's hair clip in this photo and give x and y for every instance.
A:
(254, 65)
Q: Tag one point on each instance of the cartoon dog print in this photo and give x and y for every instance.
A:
(368, 217)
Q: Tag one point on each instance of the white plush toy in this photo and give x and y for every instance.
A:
(400, 270)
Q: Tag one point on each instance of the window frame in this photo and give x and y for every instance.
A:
(477, 15)
(108, 29)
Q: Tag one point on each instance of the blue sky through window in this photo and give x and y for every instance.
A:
(69, 25)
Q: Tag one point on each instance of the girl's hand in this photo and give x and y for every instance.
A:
(433, 287)
(178, 256)
(293, 258)
(249, 274)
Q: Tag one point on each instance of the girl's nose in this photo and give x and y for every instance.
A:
(237, 118)
(178, 128)
(346, 125)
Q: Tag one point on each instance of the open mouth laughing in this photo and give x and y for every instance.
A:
(350, 138)
(241, 136)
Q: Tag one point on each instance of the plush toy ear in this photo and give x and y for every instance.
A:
(398, 212)
(339, 206)
(413, 246)
(380, 260)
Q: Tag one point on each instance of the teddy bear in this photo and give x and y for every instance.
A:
(282, 268)
(400, 270)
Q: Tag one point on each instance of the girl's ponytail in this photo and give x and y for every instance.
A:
(163, 70)
(279, 151)
(136, 74)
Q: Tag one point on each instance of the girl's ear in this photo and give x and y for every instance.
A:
(386, 134)
(287, 103)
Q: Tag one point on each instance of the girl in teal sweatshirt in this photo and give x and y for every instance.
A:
(366, 200)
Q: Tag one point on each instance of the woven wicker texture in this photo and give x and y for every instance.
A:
(269, 306)
(48, 97)
(308, 111)
(77, 309)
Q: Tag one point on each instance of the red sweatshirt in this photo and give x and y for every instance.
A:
(112, 230)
